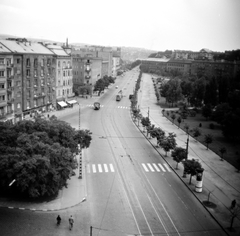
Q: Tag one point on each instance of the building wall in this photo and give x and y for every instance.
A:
(64, 79)
(38, 83)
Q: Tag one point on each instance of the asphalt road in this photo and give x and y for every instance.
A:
(124, 197)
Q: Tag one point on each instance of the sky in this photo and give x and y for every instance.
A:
(151, 24)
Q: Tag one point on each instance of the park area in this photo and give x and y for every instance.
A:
(206, 127)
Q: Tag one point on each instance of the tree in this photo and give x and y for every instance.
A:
(179, 120)
(235, 212)
(40, 157)
(179, 154)
(186, 127)
(168, 143)
(207, 111)
(174, 91)
(190, 167)
(208, 139)
(145, 122)
(173, 116)
(222, 150)
(196, 132)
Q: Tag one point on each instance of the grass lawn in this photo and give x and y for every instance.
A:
(219, 141)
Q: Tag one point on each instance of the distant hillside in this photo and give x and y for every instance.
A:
(128, 53)
(131, 53)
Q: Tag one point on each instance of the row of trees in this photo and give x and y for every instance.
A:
(168, 143)
(103, 83)
(38, 155)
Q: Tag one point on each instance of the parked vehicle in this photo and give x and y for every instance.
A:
(96, 105)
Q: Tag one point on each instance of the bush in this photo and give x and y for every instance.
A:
(211, 126)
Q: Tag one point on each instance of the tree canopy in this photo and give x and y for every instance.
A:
(39, 155)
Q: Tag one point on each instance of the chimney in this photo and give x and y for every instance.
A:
(67, 43)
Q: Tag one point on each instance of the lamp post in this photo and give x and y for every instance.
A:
(187, 144)
(79, 148)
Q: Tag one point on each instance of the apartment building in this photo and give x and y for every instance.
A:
(87, 69)
(31, 76)
(64, 83)
(6, 84)
(116, 61)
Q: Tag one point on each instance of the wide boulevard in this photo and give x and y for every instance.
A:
(124, 196)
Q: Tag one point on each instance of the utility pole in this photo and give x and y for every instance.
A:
(187, 144)
(90, 230)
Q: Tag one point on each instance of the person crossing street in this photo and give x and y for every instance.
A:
(71, 221)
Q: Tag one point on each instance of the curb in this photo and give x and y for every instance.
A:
(43, 210)
(194, 194)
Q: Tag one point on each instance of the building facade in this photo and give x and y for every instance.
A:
(64, 83)
(32, 78)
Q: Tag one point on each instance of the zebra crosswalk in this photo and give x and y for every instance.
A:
(109, 168)
(99, 168)
(119, 107)
(156, 167)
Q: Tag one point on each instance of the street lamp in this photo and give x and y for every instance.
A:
(79, 116)
(187, 144)
(79, 148)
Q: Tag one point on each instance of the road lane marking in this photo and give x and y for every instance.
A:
(105, 167)
(111, 168)
(100, 168)
(156, 167)
(145, 168)
(161, 167)
(167, 167)
(150, 167)
(88, 168)
(94, 168)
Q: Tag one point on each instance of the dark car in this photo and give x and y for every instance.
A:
(130, 96)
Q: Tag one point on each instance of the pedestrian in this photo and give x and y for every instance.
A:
(58, 220)
(71, 221)
(233, 204)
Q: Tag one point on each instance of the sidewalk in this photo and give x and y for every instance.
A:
(220, 178)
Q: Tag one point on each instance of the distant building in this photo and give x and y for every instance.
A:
(32, 78)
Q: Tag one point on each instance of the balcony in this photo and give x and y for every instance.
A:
(9, 65)
(87, 76)
(10, 77)
(10, 89)
(88, 69)
(2, 116)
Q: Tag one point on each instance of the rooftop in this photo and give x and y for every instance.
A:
(25, 47)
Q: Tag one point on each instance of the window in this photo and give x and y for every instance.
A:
(42, 62)
(28, 62)
(18, 105)
(41, 72)
(18, 83)
(18, 61)
(1, 73)
(59, 63)
(2, 86)
(28, 104)
(28, 72)
(28, 84)
(1, 61)
(59, 73)
(63, 92)
(2, 98)
(35, 73)
(35, 62)
(59, 82)
(18, 94)
(64, 64)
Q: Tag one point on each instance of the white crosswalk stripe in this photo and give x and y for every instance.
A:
(99, 168)
(155, 167)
